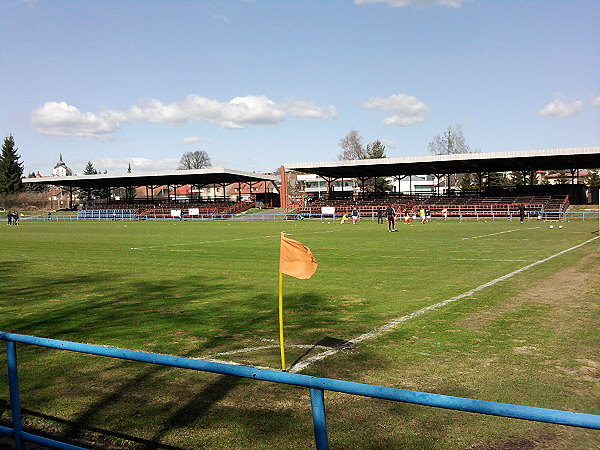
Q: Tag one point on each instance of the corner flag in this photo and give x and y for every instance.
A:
(295, 259)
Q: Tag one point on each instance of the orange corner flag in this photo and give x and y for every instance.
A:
(295, 259)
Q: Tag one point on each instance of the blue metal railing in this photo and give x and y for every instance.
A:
(317, 386)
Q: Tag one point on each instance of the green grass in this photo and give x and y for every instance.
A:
(198, 288)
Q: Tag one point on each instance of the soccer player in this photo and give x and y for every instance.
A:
(355, 216)
(391, 218)
(522, 213)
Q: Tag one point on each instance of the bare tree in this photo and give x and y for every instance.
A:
(352, 146)
(194, 160)
(450, 142)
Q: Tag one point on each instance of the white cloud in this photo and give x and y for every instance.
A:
(303, 108)
(418, 3)
(195, 140)
(221, 18)
(406, 109)
(389, 143)
(120, 165)
(29, 3)
(61, 119)
(596, 101)
(559, 108)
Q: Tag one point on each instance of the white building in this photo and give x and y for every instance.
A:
(415, 184)
(61, 169)
(315, 186)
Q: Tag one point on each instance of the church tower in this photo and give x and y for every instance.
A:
(61, 169)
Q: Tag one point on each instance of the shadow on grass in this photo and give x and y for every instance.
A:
(198, 405)
(103, 306)
(333, 343)
(144, 443)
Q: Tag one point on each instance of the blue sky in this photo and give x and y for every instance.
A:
(260, 83)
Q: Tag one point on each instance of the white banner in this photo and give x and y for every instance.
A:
(328, 210)
(175, 213)
(194, 211)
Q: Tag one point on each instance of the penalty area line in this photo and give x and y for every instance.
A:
(500, 232)
(391, 325)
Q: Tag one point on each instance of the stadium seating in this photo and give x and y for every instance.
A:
(457, 206)
(163, 211)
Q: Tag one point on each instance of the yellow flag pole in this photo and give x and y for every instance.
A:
(281, 321)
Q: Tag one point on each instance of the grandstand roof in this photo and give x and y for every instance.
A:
(194, 176)
(552, 159)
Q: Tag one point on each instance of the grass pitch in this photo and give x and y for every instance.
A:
(209, 290)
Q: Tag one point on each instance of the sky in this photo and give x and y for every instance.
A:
(257, 84)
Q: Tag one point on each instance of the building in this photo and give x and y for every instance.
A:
(61, 169)
(314, 186)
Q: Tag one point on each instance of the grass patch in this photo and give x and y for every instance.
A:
(195, 289)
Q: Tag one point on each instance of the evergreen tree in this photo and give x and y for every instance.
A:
(89, 169)
(87, 193)
(467, 182)
(593, 178)
(11, 169)
(374, 151)
(518, 178)
(497, 179)
(563, 178)
(35, 187)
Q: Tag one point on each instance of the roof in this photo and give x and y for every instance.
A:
(551, 159)
(60, 163)
(259, 188)
(200, 177)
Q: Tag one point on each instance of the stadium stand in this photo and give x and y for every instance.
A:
(163, 211)
(457, 206)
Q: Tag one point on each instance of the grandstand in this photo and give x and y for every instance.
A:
(548, 200)
(145, 211)
(457, 206)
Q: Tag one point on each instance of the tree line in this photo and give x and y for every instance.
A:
(452, 142)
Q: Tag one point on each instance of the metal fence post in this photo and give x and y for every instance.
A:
(13, 387)
(317, 402)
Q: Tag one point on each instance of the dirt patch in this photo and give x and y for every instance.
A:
(518, 443)
(526, 350)
(565, 288)
(586, 373)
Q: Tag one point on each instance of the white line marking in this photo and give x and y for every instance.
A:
(262, 347)
(500, 232)
(213, 357)
(391, 325)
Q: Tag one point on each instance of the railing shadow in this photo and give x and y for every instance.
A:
(146, 443)
(331, 342)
